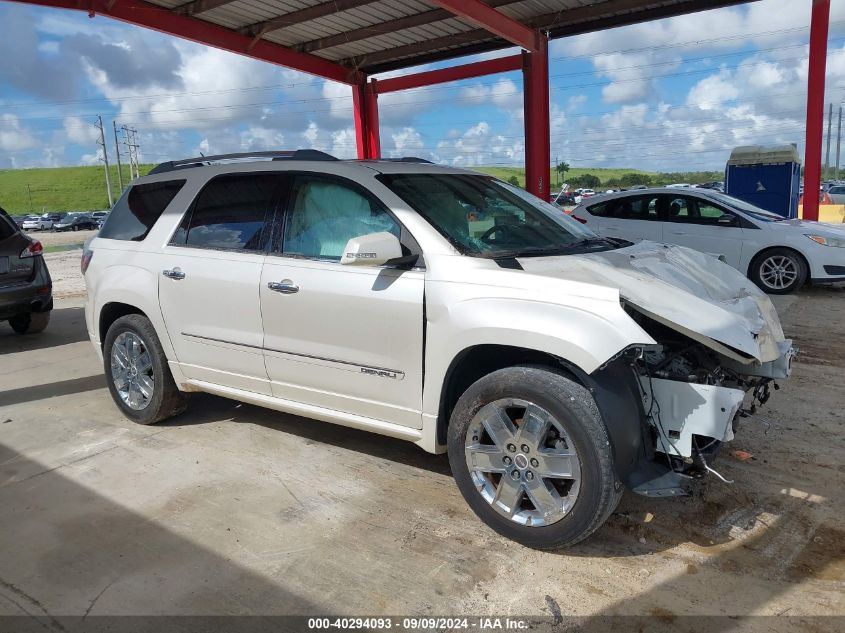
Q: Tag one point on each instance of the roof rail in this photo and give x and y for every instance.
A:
(199, 161)
(407, 159)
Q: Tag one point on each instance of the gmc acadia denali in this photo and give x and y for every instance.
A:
(439, 306)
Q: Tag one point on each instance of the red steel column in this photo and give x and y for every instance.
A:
(815, 107)
(359, 114)
(535, 75)
(365, 113)
(373, 137)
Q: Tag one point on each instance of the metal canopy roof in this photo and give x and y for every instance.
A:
(372, 36)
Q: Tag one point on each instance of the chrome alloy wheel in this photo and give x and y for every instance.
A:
(132, 370)
(523, 462)
(778, 272)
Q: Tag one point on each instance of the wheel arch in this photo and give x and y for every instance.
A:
(476, 361)
(111, 312)
(765, 249)
(613, 386)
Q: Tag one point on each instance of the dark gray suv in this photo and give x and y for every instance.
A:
(26, 290)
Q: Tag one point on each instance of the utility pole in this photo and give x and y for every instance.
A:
(838, 141)
(131, 143)
(117, 155)
(829, 130)
(29, 190)
(102, 143)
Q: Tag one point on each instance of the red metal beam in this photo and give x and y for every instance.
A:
(537, 143)
(365, 112)
(491, 20)
(159, 19)
(815, 107)
(455, 73)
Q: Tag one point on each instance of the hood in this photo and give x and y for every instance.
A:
(693, 293)
(818, 228)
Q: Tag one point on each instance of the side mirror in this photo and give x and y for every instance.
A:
(727, 220)
(374, 249)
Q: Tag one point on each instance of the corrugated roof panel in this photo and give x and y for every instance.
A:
(238, 14)
(167, 4)
(387, 41)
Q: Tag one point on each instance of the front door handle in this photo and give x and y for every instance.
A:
(174, 273)
(285, 286)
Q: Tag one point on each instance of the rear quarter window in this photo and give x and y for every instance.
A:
(601, 210)
(138, 210)
(7, 226)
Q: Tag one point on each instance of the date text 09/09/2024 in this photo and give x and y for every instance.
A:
(420, 623)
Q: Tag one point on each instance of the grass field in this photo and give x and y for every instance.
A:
(604, 173)
(58, 189)
(83, 188)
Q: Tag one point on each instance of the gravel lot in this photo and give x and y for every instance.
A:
(232, 509)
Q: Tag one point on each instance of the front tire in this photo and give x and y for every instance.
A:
(31, 323)
(137, 372)
(532, 458)
(778, 271)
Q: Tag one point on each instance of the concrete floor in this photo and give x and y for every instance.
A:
(231, 509)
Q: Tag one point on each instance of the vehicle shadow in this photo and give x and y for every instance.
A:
(67, 325)
(97, 556)
(206, 408)
(52, 389)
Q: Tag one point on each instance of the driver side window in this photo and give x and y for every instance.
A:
(324, 214)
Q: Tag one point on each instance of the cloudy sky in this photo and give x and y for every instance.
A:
(671, 95)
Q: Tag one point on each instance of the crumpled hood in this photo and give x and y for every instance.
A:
(693, 293)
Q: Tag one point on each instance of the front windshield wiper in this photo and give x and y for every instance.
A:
(557, 249)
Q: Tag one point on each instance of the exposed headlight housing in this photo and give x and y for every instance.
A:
(827, 241)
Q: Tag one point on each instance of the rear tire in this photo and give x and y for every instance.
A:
(778, 271)
(137, 372)
(563, 487)
(31, 323)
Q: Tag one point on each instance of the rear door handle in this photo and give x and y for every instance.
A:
(285, 286)
(174, 273)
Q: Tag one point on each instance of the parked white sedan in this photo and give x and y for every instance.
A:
(778, 255)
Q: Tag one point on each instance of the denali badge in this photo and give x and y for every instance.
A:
(380, 372)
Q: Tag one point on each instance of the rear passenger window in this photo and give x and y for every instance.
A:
(231, 212)
(138, 210)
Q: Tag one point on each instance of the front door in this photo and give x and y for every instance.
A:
(703, 226)
(209, 278)
(346, 338)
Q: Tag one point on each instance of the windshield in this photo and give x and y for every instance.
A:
(485, 217)
(746, 207)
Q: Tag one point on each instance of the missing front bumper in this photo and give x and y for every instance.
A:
(679, 410)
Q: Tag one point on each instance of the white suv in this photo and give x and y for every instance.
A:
(438, 306)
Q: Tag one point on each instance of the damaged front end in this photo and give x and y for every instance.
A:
(690, 398)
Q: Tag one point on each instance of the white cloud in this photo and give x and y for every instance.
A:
(711, 92)
(479, 145)
(80, 131)
(14, 137)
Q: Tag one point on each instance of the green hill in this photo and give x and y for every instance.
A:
(58, 189)
(84, 189)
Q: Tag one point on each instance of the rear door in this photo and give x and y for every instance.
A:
(631, 218)
(695, 222)
(208, 288)
(346, 338)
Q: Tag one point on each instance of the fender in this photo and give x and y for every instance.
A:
(577, 334)
(135, 286)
